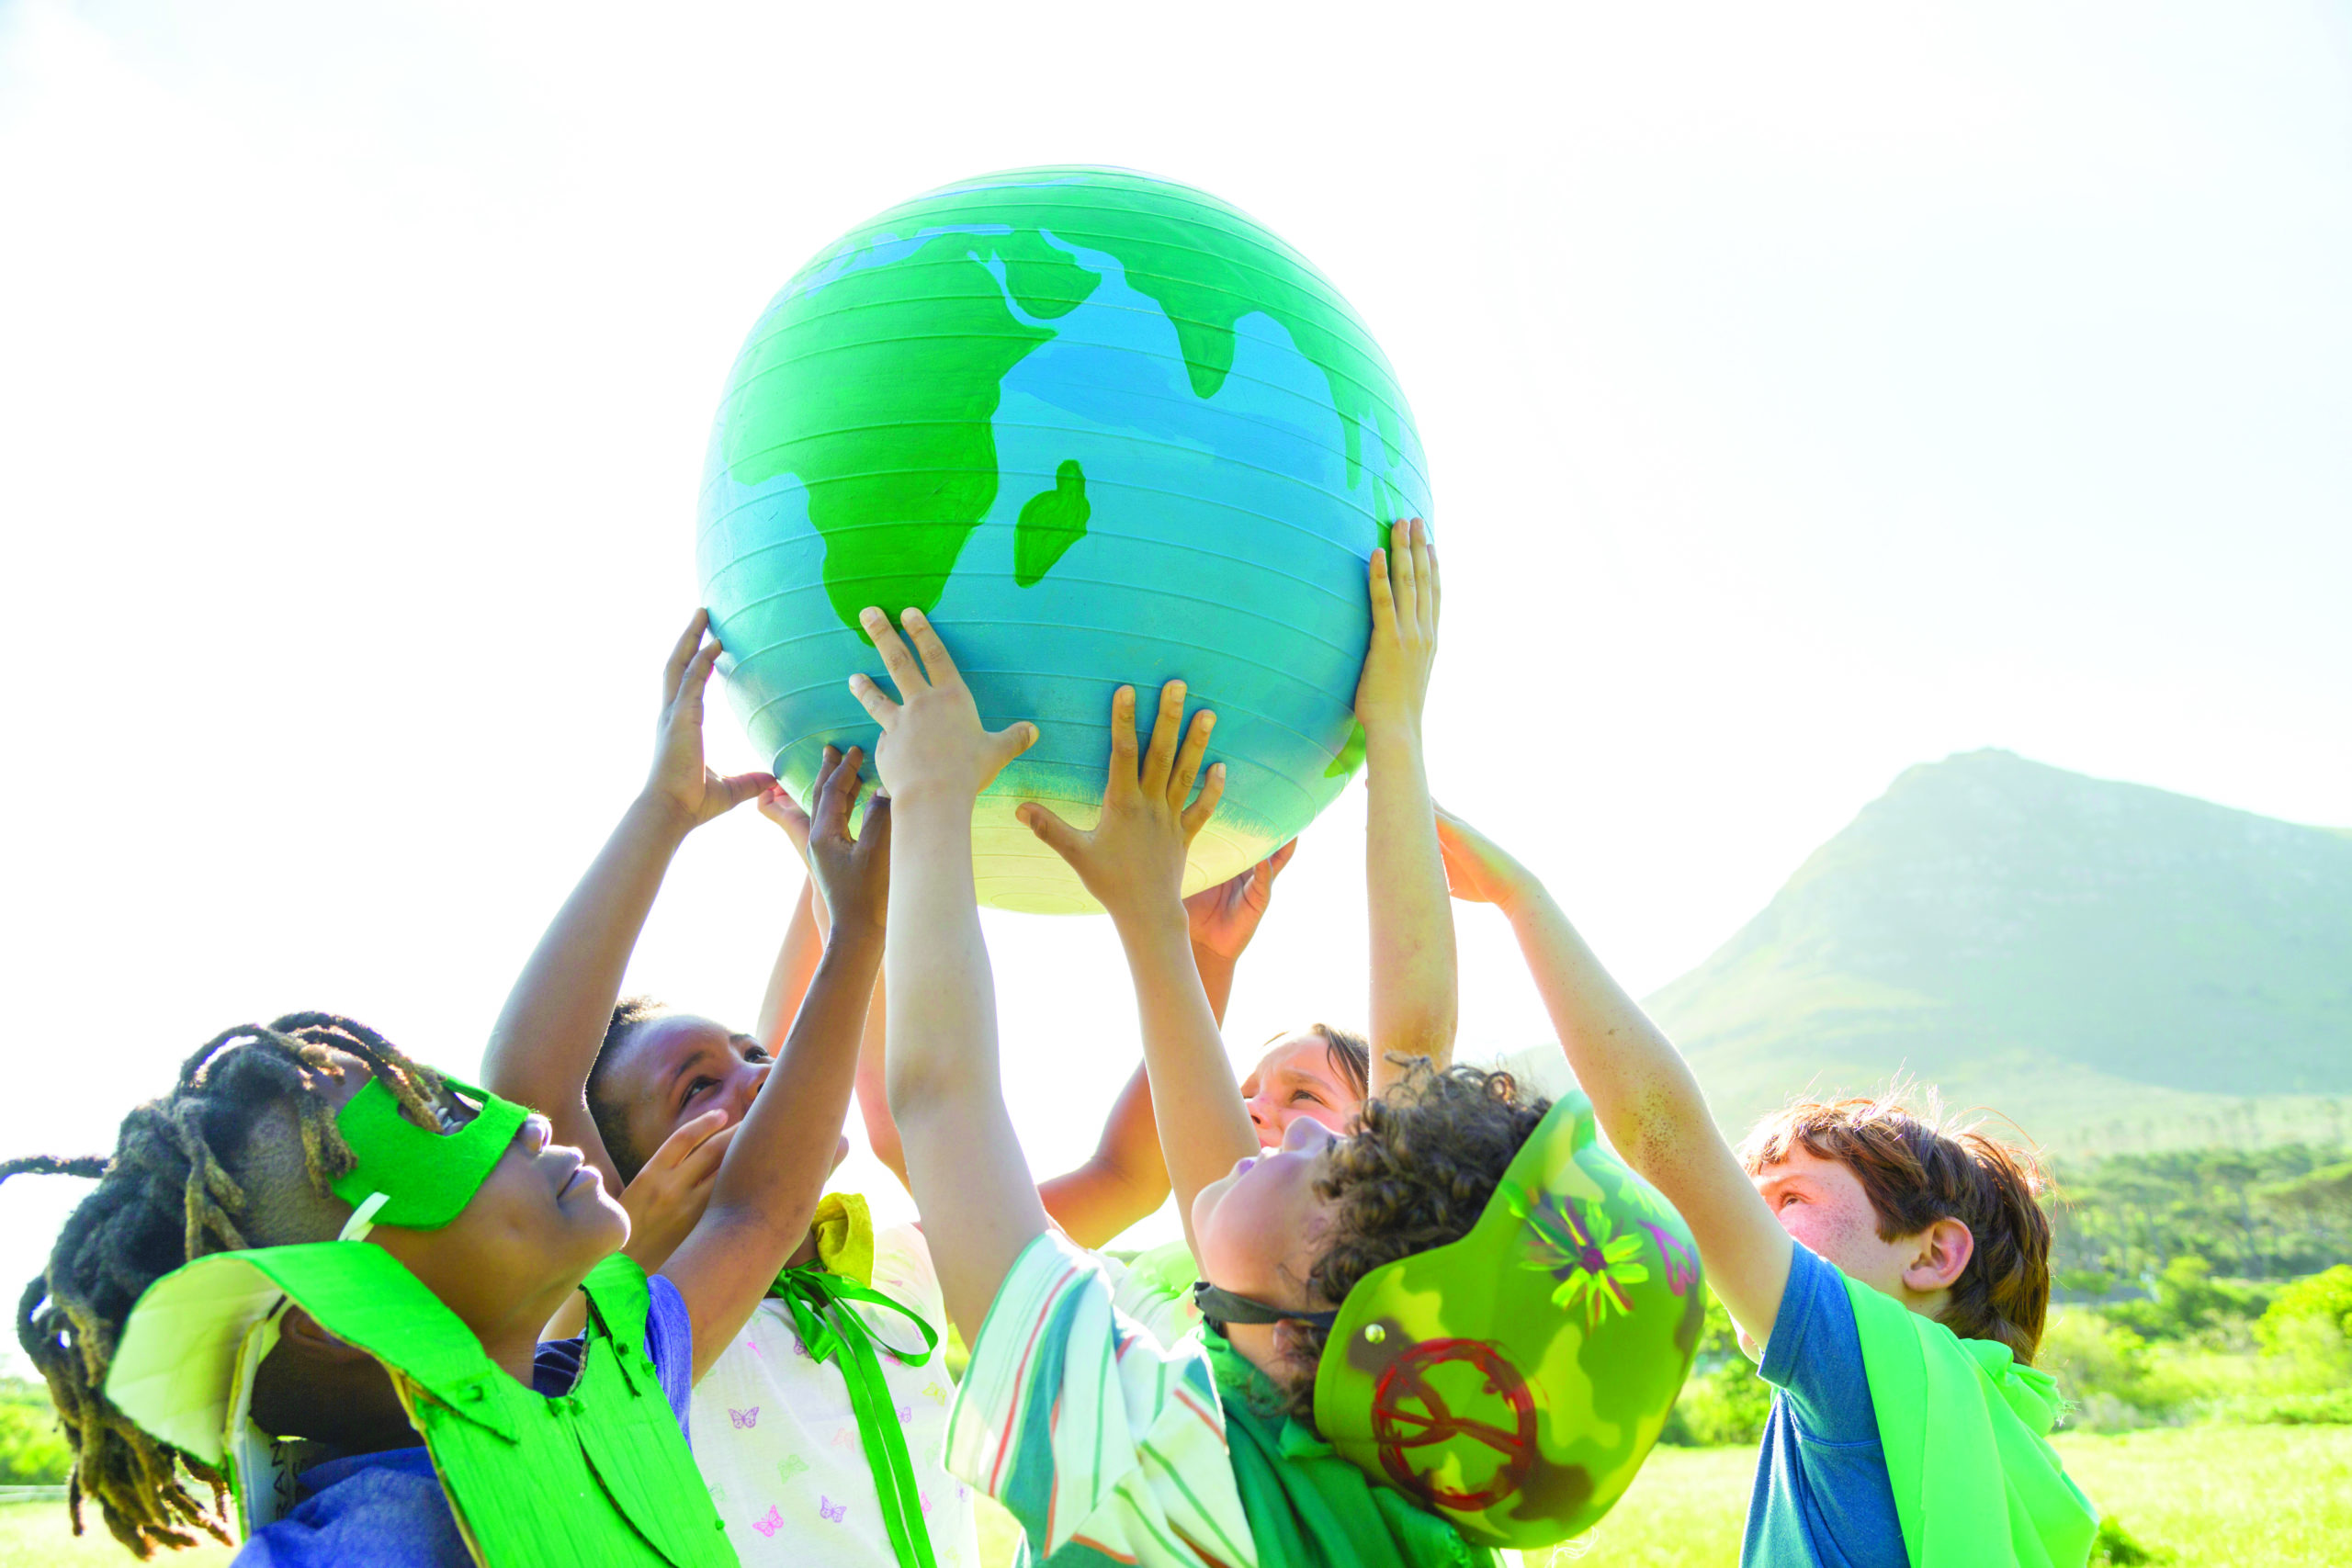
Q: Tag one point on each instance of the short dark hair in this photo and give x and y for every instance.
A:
(610, 1116)
(1919, 1169)
(1415, 1175)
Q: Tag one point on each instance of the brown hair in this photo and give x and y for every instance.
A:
(1350, 1052)
(1919, 1169)
(1416, 1174)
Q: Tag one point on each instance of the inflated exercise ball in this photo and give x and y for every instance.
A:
(1104, 430)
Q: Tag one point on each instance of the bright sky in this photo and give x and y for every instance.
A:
(1809, 392)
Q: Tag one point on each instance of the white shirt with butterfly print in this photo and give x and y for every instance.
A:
(778, 1443)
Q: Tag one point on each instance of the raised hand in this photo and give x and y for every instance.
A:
(779, 807)
(933, 744)
(1476, 869)
(1134, 857)
(1223, 918)
(853, 874)
(680, 779)
(1406, 598)
(666, 1201)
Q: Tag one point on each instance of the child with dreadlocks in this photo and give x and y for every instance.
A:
(312, 1252)
(1890, 1271)
(1391, 1379)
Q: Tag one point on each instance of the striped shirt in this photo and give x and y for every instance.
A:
(1105, 1445)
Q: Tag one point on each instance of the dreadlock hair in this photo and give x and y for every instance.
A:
(1919, 1169)
(171, 1193)
(1415, 1174)
(612, 1119)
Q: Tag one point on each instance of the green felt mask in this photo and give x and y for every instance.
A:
(427, 1176)
(1513, 1380)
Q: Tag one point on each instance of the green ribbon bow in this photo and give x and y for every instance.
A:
(809, 1291)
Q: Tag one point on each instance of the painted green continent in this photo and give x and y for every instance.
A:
(877, 392)
(1051, 522)
(877, 389)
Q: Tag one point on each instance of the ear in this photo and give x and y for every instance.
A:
(1941, 1252)
(299, 1333)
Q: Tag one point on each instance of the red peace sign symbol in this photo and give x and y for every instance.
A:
(1408, 1412)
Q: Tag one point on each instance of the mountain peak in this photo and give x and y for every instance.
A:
(1988, 908)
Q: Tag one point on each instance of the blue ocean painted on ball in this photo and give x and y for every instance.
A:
(1105, 430)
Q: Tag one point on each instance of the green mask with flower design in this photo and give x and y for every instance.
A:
(426, 1174)
(1513, 1380)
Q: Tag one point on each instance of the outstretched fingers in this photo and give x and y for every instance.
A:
(874, 700)
(1122, 745)
(1187, 772)
(674, 672)
(1404, 571)
(938, 664)
(905, 673)
(1052, 831)
(1196, 816)
(1167, 727)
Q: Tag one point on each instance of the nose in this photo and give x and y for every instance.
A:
(538, 1133)
(746, 1089)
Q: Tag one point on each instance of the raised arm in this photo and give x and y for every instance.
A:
(972, 1187)
(768, 1184)
(547, 1037)
(1640, 1088)
(1133, 862)
(1413, 977)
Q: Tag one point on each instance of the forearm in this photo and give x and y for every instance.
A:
(547, 1036)
(977, 1198)
(1203, 1126)
(874, 1086)
(1650, 1104)
(777, 1168)
(1413, 971)
(1216, 971)
(1125, 1180)
(795, 967)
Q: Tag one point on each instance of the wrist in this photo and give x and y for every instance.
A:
(659, 814)
(1150, 921)
(1392, 733)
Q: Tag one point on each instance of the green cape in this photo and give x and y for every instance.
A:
(1307, 1506)
(1962, 1423)
(600, 1475)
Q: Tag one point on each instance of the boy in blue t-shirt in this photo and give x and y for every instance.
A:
(1890, 1276)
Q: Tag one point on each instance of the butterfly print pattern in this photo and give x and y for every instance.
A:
(771, 1523)
(744, 1419)
(831, 1511)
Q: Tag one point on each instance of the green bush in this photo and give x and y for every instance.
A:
(1723, 1401)
(32, 1453)
(2323, 1299)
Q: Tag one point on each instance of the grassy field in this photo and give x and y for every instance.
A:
(2196, 1497)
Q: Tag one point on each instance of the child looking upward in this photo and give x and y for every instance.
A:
(1892, 1274)
(1322, 1258)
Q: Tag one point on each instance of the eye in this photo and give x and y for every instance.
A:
(694, 1089)
(756, 1053)
(1310, 1096)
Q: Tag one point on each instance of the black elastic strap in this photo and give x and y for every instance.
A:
(1224, 1307)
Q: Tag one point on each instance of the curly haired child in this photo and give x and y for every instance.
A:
(1342, 1273)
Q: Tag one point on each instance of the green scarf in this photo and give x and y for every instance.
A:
(1962, 1423)
(819, 1295)
(1307, 1506)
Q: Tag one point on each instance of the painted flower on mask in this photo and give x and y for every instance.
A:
(1577, 1243)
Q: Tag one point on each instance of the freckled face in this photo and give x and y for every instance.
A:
(1296, 1078)
(1257, 1227)
(1823, 1205)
